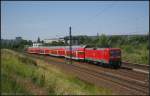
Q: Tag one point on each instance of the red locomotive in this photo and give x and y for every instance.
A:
(109, 56)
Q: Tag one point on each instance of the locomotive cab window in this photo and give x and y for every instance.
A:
(115, 53)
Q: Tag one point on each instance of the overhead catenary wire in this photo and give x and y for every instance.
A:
(102, 11)
(99, 13)
(88, 21)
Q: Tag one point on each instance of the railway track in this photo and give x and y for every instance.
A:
(125, 84)
(117, 81)
(137, 67)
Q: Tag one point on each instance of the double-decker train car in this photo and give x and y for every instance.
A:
(44, 50)
(54, 51)
(33, 50)
(80, 53)
(77, 52)
(107, 56)
(61, 52)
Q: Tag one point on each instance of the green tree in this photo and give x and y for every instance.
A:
(54, 43)
(60, 43)
(103, 41)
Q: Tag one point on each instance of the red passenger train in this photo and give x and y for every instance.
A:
(106, 56)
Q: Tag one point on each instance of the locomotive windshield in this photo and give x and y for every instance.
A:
(115, 53)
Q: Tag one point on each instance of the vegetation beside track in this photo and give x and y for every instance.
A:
(25, 75)
(135, 54)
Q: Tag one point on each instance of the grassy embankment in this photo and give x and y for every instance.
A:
(24, 75)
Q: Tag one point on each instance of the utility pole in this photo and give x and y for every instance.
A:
(70, 45)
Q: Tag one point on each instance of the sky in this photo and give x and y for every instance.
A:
(51, 19)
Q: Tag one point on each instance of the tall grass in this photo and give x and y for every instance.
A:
(52, 79)
(135, 54)
(10, 86)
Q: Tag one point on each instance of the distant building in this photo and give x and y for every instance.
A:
(37, 44)
(53, 39)
(18, 38)
(74, 42)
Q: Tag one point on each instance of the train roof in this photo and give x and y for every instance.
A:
(74, 47)
(104, 48)
(66, 47)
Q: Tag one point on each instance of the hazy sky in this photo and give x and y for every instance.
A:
(51, 19)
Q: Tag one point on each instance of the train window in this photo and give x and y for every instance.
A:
(80, 52)
(115, 53)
